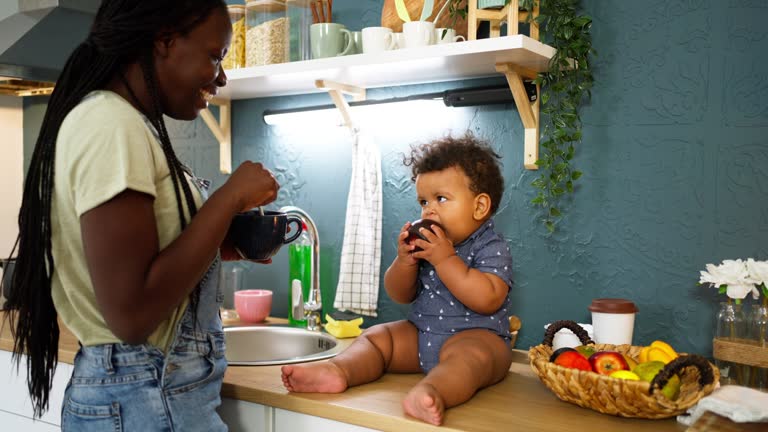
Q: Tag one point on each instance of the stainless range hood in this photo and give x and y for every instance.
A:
(36, 37)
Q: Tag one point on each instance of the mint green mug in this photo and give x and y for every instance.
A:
(330, 40)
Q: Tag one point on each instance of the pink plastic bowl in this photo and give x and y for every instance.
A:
(253, 305)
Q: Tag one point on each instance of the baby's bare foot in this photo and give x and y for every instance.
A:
(322, 377)
(425, 403)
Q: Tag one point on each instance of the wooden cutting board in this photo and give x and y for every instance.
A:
(390, 19)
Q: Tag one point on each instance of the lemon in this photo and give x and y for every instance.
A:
(625, 374)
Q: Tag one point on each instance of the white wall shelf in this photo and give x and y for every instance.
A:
(434, 63)
(517, 57)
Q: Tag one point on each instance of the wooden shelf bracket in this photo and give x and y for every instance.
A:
(222, 130)
(529, 111)
(337, 91)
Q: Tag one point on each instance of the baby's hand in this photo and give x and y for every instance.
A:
(405, 250)
(436, 249)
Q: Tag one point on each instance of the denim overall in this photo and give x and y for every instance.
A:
(119, 387)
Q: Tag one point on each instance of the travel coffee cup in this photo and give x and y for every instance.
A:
(613, 320)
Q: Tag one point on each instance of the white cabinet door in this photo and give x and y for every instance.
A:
(14, 396)
(241, 416)
(289, 421)
(16, 423)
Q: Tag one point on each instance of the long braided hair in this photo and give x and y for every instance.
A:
(123, 33)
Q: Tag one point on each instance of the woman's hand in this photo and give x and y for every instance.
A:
(252, 185)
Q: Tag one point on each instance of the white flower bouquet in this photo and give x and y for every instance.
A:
(737, 278)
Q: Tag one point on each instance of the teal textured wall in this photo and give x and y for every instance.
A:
(675, 161)
(675, 158)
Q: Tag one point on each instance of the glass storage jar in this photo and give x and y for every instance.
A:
(730, 325)
(266, 34)
(299, 14)
(235, 57)
(758, 332)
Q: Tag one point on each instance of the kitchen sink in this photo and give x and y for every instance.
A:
(274, 345)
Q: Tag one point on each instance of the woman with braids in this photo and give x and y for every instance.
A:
(115, 240)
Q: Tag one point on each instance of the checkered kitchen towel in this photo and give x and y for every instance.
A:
(358, 288)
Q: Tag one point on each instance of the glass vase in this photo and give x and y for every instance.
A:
(758, 331)
(730, 325)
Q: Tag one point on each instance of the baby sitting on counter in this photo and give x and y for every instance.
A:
(457, 277)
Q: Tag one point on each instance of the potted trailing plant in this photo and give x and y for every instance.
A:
(564, 89)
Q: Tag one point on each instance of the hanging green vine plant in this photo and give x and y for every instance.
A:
(564, 88)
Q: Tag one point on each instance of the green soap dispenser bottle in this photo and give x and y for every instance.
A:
(300, 277)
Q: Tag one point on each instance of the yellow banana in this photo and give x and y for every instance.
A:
(666, 348)
(643, 357)
(658, 354)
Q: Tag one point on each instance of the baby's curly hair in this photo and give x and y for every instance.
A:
(472, 155)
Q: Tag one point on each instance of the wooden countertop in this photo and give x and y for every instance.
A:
(520, 402)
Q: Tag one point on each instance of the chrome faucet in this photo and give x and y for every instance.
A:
(314, 303)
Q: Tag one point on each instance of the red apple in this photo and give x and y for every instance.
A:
(559, 351)
(572, 359)
(607, 362)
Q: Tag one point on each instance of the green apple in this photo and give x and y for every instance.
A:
(586, 350)
(648, 370)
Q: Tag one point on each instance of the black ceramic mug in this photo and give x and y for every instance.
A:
(259, 237)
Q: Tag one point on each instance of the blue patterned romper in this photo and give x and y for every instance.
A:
(438, 315)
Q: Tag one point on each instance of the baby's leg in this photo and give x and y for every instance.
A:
(391, 347)
(469, 361)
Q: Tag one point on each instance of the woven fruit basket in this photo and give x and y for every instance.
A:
(626, 398)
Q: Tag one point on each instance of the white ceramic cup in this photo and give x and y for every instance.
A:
(613, 320)
(399, 40)
(418, 33)
(378, 39)
(450, 36)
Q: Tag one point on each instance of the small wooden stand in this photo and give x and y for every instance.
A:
(511, 14)
(529, 111)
